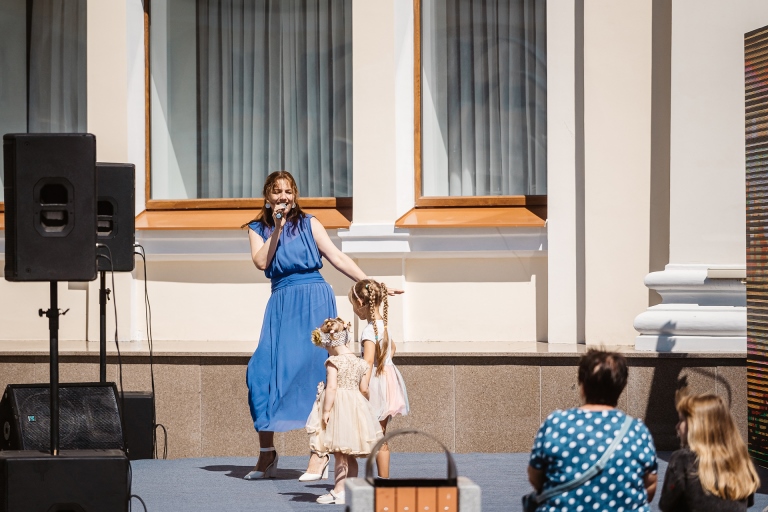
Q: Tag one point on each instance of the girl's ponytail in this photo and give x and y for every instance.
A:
(382, 348)
(372, 294)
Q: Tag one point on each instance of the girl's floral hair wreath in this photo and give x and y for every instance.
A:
(332, 333)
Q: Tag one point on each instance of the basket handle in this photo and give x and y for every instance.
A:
(372, 456)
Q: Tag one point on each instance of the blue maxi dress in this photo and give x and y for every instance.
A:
(284, 371)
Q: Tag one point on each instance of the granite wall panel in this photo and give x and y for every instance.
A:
(471, 404)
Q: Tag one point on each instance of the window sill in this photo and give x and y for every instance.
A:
(171, 220)
(530, 217)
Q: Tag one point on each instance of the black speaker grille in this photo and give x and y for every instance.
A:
(88, 418)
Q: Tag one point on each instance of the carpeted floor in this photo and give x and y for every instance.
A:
(216, 484)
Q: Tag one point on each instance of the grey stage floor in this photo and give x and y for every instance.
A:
(216, 484)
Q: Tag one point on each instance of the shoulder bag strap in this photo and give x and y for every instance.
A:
(591, 472)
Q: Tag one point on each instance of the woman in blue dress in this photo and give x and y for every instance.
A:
(288, 244)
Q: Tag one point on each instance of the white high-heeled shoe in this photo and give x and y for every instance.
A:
(322, 475)
(332, 498)
(270, 472)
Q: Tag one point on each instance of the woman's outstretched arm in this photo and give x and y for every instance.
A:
(338, 259)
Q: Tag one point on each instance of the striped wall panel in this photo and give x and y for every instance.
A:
(756, 109)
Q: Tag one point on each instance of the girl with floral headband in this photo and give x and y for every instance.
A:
(342, 421)
(387, 392)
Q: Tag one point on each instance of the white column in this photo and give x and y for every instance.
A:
(374, 111)
(564, 210)
(617, 151)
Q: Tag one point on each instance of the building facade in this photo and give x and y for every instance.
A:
(625, 226)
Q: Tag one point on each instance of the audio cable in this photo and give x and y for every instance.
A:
(148, 319)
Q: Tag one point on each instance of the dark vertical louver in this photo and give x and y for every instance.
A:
(756, 105)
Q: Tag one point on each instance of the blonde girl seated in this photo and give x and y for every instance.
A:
(712, 471)
(342, 421)
(387, 394)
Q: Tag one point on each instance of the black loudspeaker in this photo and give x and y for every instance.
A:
(73, 481)
(116, 221)
(137, 418)
(89, 417)
(50, 207)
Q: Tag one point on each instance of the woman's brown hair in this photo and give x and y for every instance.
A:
(603, 376)
(724, 466)
(265, 216)
(373, 294)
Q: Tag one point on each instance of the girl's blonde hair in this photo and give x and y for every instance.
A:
(373, 294)
(332, 333)
(725, 468)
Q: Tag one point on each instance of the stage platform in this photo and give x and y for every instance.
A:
(214, 484)
(476, 397)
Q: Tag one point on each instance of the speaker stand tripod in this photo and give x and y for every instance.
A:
(103, 298)
(53, 327)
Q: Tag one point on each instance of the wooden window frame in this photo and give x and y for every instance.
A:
(342, 206)
(421, 201)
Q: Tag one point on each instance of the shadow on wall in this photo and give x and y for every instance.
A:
(666, 339)
(668, 378)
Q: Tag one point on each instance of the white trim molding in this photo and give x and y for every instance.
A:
(699, 313)
(194, 245)
(360, 241)
(387, 241)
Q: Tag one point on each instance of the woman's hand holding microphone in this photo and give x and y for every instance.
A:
(280, 211)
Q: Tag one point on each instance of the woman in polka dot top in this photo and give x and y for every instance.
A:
(570, 442)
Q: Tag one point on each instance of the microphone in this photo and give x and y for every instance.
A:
(280, 214)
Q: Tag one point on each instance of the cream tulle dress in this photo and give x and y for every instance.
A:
(387, 391)
(352, 428)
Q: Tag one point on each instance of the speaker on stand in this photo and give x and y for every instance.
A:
(50, 212)
(115, 228)
(50, 207)
(115, 211)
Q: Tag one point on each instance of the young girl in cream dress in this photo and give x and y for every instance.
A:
(387, 392)
(342, 421)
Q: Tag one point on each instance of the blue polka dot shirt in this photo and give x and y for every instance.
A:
(570, 442)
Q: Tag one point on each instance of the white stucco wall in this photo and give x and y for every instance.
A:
(501, 280)
(476, 299)
(707, 186)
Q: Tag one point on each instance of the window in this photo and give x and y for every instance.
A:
(242, 88)
(481, 129)
(42, 67)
